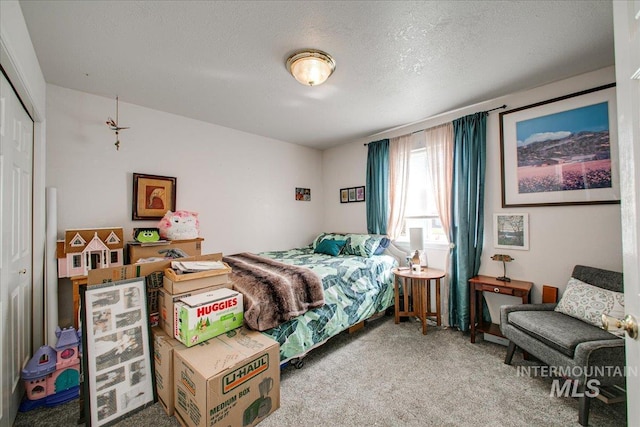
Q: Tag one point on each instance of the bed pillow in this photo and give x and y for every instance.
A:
(588, 303)
(384, 244)
(330, 236)
(330, 247)
(363, 245)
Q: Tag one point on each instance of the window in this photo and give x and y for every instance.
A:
(78, 241)
(114, 257)
(76, 261)
(421, 210)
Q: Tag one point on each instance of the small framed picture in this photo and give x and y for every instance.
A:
(344, 195)
(511, 231)
(352, 194)
(153, 196)
(303, 194)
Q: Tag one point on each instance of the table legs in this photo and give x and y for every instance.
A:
(416, 299)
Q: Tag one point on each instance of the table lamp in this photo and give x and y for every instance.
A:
(415, 246)
(505, 259)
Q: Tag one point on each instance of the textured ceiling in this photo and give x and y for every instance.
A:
(397, 62)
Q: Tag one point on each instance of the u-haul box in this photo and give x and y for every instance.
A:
(163, 348)
(230, 380)
(201, 317)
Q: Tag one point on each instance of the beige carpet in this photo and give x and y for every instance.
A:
(392, 375)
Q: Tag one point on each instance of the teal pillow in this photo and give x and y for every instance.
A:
(329, 247)
(330, 236)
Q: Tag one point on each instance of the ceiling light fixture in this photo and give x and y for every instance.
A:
(311, 67)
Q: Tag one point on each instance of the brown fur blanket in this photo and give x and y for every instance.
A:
(273, 292)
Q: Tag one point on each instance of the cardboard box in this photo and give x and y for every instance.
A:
(230, 380)
(181, 283)
(163, 348)
(166, 302)
(201, 317)
(139, 250)
(130, 271)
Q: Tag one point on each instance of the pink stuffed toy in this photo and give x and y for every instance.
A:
(179, 225)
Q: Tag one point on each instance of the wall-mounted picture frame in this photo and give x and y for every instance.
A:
(153, 196)
(117, 351)
(303, 194)
(344, 195)
(511, 231)
(562, 151)
(352, 194)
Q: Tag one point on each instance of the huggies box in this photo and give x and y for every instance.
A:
(198, 318)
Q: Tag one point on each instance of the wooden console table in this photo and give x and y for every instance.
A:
(416, 297)
(479, 284)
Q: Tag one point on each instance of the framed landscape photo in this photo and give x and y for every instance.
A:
(153, 196)
(562, 151)
(117, 352)
(511, 231)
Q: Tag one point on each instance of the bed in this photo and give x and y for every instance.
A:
(357, 283)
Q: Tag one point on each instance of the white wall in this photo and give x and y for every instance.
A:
(560, 236)
(242, 185)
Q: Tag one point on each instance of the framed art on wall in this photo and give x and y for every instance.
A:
(352, 194)
(562, 151)
(117, 351)
(303, 194)
(511, 231)
(153, 196)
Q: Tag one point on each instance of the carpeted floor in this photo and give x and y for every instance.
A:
(392, 375)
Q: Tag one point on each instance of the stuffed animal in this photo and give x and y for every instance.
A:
(179, 225)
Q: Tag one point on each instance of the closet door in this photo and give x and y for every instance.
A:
(16, 164)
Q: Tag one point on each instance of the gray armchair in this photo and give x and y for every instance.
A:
(584, 351)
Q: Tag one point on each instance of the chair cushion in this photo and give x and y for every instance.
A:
(557, 330)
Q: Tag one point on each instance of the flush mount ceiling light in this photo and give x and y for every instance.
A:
(311, 67)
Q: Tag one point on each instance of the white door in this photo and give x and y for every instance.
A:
(16, 147)
(626, 17)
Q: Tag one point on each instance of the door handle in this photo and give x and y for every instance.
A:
(629, 324)
(23, 271)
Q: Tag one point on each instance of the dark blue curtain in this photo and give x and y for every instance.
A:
(377, 199)
(467, 228)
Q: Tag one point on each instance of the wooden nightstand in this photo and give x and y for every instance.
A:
(479, 284)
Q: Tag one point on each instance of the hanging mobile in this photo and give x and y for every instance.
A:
(113, 125)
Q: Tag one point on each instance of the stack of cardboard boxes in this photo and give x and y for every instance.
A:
(210, 370)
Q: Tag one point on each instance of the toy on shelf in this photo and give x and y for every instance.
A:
(87, 249)
(52, 376)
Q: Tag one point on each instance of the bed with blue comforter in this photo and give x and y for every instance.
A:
(357, 283)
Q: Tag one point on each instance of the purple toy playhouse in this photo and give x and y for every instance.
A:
(52, 376)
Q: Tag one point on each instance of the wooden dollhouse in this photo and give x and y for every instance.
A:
(87, 249)
(52, 376)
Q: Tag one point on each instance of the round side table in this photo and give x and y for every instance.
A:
(416, 297)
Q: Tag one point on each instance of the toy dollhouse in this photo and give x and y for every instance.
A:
(52, 376)
(87, 249)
